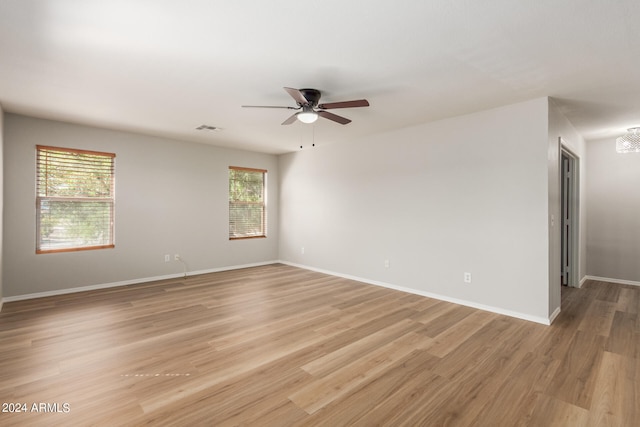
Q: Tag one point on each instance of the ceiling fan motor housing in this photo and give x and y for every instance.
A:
(311, 95)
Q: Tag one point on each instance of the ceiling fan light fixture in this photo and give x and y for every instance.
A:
(629, 142)
(307, 116)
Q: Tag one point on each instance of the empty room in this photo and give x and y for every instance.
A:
(287, 213)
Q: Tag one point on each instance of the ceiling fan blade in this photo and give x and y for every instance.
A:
(290, 119)
(334, 117)
(345, 104)
(268, 106)
(297, 95)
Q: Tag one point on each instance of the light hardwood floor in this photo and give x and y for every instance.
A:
(281, 346)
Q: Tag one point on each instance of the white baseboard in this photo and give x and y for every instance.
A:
(554, 315)
(127, 282)
(466, 303)
(471, 304)
(610, 280)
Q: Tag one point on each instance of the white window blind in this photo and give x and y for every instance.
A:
(74, 199)
(247, 203)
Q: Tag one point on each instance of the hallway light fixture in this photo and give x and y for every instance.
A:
(629, 142)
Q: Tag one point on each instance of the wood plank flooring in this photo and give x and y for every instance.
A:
(281, 346)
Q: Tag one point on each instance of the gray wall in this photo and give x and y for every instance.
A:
(467, 194)
(613, 229)
(1, 197)
(171, 197)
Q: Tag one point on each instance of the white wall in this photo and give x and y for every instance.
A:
(613, 230)
(171, 197)
(560, 127)
(467, 194)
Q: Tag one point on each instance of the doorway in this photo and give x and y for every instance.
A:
(569, 202)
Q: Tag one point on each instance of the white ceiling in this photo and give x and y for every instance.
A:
(164, 67)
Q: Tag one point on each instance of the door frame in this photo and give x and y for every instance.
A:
(573, 203)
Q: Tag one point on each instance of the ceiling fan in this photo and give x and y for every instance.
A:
(308, 101)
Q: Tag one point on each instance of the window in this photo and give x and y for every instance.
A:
(74, 199)
(247, 203)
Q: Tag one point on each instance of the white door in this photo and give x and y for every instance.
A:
(567, 197)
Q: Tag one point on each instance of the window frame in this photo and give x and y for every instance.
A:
(262, 204)
(40, 149)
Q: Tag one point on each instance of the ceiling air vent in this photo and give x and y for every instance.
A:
(208, 128)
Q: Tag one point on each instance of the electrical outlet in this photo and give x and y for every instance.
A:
(176, 257)
(386, 263)
(467, 277)
(167, 258)
(302, 250)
